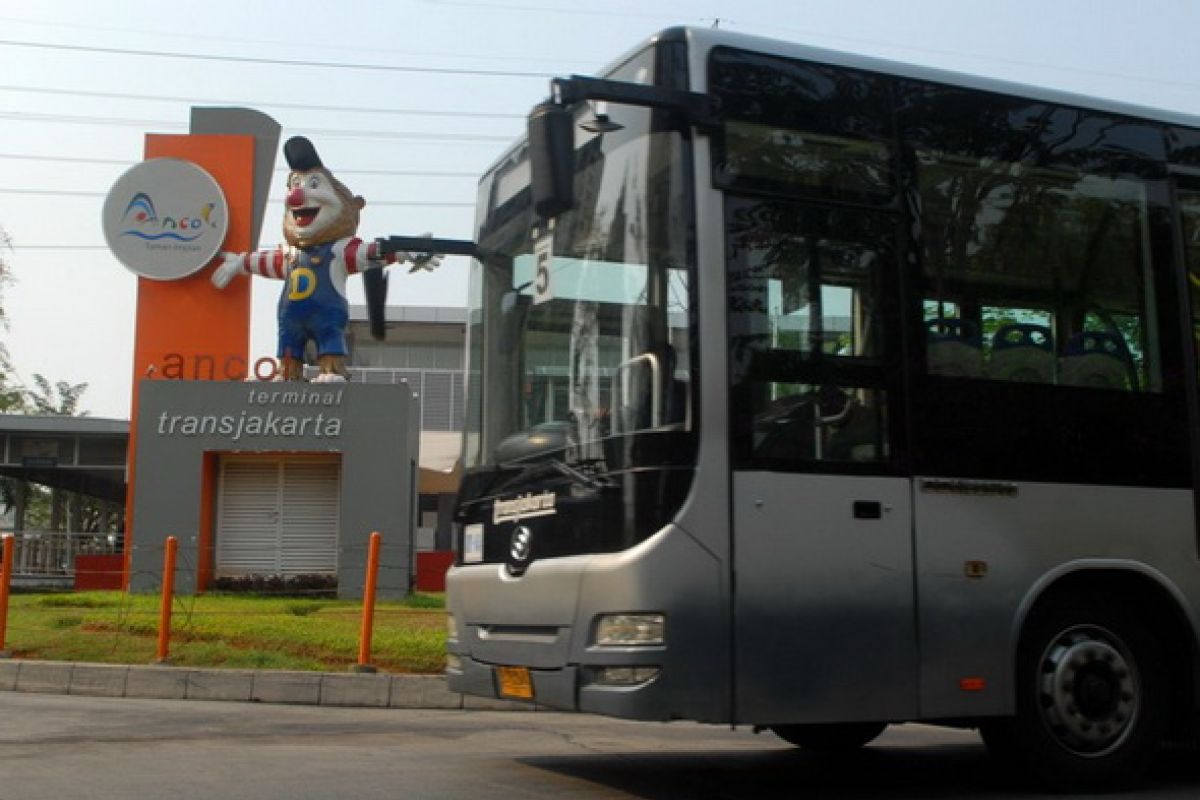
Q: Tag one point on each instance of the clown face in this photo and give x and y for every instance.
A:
(319, 209)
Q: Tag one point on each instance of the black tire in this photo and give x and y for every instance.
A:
(1092, 700)
(830, 737)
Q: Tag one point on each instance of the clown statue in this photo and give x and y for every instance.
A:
(319, 225)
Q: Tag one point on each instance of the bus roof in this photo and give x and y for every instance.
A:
(706, 38)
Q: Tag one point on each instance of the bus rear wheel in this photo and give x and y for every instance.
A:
(1091, 697)
(830, 737)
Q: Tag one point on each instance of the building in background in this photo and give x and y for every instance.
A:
(423, 348)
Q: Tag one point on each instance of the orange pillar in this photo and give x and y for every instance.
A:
(368, 610)
(188, 328)
(6, 569)
(168, 597)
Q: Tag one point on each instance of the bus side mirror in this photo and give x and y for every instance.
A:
(552, 159)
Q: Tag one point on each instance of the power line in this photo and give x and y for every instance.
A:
(68, 159)
(123, 162)
(76, 193)
(417, 136)
(425, 112)
(228, 39)
(59, 247)
(572, 11)
(75, 247)
(277, 62)
(435, 137)
(52, 192)
(25, 116)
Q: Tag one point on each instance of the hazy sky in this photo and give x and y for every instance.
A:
(409, 100)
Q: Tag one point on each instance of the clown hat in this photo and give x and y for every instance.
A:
(301, 155)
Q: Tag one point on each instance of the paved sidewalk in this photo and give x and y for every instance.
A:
(264, 686)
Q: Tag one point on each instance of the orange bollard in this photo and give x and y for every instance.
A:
(168, 595)
(5, 582)
(368, 612)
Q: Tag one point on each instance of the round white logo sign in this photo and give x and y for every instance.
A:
(165, 219)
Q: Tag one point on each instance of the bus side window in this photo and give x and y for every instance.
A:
(1037, 256)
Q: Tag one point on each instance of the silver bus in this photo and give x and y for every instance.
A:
(815, 392)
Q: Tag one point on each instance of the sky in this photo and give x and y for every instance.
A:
(408, 102)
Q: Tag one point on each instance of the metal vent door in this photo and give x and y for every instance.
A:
(277, 516)
(309, 517)
(248, 518)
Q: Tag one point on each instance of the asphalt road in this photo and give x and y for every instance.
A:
(59, 748)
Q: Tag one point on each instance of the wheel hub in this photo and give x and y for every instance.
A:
(1088, 691)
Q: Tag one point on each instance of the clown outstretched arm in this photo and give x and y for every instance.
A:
(355, 254)
(268, 263)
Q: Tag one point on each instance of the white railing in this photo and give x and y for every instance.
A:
(52, 553)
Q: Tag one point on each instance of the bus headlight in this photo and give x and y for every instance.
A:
(630, 630)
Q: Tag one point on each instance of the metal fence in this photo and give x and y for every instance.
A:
(51, 554)
(441, 392)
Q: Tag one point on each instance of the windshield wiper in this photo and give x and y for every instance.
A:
(533, 468)
(591, 481)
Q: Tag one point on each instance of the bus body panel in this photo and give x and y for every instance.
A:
(553, 630)
(986, 550)
(824, 618)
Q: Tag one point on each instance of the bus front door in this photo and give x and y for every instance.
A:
(822, 539)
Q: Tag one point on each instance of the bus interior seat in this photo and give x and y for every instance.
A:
(1022, 351)
(953, 348)
(1097, 359)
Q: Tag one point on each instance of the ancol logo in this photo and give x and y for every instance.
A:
(165, 219)
(143, 221)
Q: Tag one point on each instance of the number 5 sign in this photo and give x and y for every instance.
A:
(543, 258)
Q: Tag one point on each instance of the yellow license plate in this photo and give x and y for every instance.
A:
(515, 682)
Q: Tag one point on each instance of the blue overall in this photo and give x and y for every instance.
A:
(311, 307)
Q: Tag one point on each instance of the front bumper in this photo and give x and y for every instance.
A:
(567, 689)
(554, 688)
(545, 621)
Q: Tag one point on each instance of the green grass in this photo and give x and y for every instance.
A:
(223, 630)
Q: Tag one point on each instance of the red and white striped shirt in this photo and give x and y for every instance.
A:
(350, 257)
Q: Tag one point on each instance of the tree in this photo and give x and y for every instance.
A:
(11, 398)
(61, 399)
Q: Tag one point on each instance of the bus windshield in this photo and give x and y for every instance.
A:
(579, 346)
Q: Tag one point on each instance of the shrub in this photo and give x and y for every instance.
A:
(280, 585)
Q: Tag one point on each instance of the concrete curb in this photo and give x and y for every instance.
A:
(259, 686)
